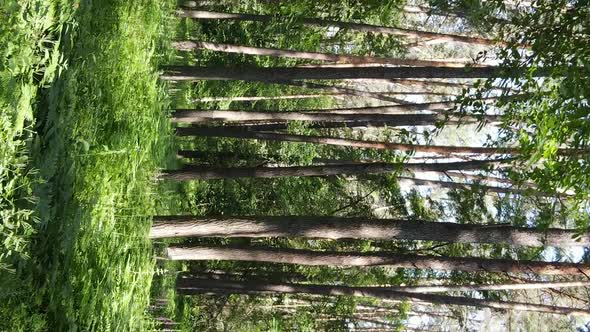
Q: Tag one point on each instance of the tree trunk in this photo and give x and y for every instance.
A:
(485, 188)
(265, 98)
(191, 73)
(188, 286)
(184, 115)
(439, 83)
(394, 260)
(440, 149)
(209, 173)
(336, 89)
(491, 287)
(188, 45)
(361, 228)
(311, 96)
(407, 33)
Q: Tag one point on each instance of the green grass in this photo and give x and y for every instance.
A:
(96, 138)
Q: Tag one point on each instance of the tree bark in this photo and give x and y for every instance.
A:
(407, 33)
(189, 286)
(394, 260)
(191, 116)
(485, 188)
(336, 89)
(188, 45)
(490, 287)
(439, 83)
(440, 149)
(209, 173)
(191, 73)
(320, 95)
(360, 228)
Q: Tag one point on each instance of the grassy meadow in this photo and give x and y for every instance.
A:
(84, 131)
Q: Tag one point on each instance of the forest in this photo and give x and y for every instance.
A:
(295, 165)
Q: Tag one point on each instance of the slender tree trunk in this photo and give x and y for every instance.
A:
(481, 178)
(283, 125)
(438, 83)
(491, 287)
(209, 173)
(189, 286)
(206, 15)
(394, 260)
(191, 73)
(265, 98)
(184, 115)
(336, 89)
(361, 228)
(419, 120)
(188, 45)
(441, 149)
(311, 96)
(392, 109)
(485, 188)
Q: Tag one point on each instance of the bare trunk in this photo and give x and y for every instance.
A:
(208, 173)
(485, 188)
(283, 125)
(392, 109)
(439, 83)
(336, 89)
(188, 286)
(265, 98)
(183, 115)
(394, 260)
(407, 33)
(348, 59)
(321, 95)
(361, 228)
(440, 149)
(191, 73)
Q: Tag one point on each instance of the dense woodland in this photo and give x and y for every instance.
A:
(298, 165)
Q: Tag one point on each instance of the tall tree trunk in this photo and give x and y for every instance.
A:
(491, 287)
(361, 228)
(184, 115)
(394, 260)
(438, 83)
(392, 109)
(188, 45)
(209, 173)
(441, 149)
(485, 188)
(188, 286)
(191, 73)
(283, 125)
(266, 98)
(336, 89)
(408, 33)
(320, 95)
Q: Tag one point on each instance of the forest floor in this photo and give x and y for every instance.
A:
(77, 186)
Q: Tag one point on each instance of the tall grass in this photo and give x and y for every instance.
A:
(100, 136)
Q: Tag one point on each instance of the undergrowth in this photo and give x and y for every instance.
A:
(83, 130)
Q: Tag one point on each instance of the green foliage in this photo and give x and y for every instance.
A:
(100, 135)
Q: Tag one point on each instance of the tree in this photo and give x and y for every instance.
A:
(189, 286)
(208, 15)
(188, 45)
(441, 149)
(191, 172)
(391, 259)
(358, 228)
(190, 73)
(182, 115)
